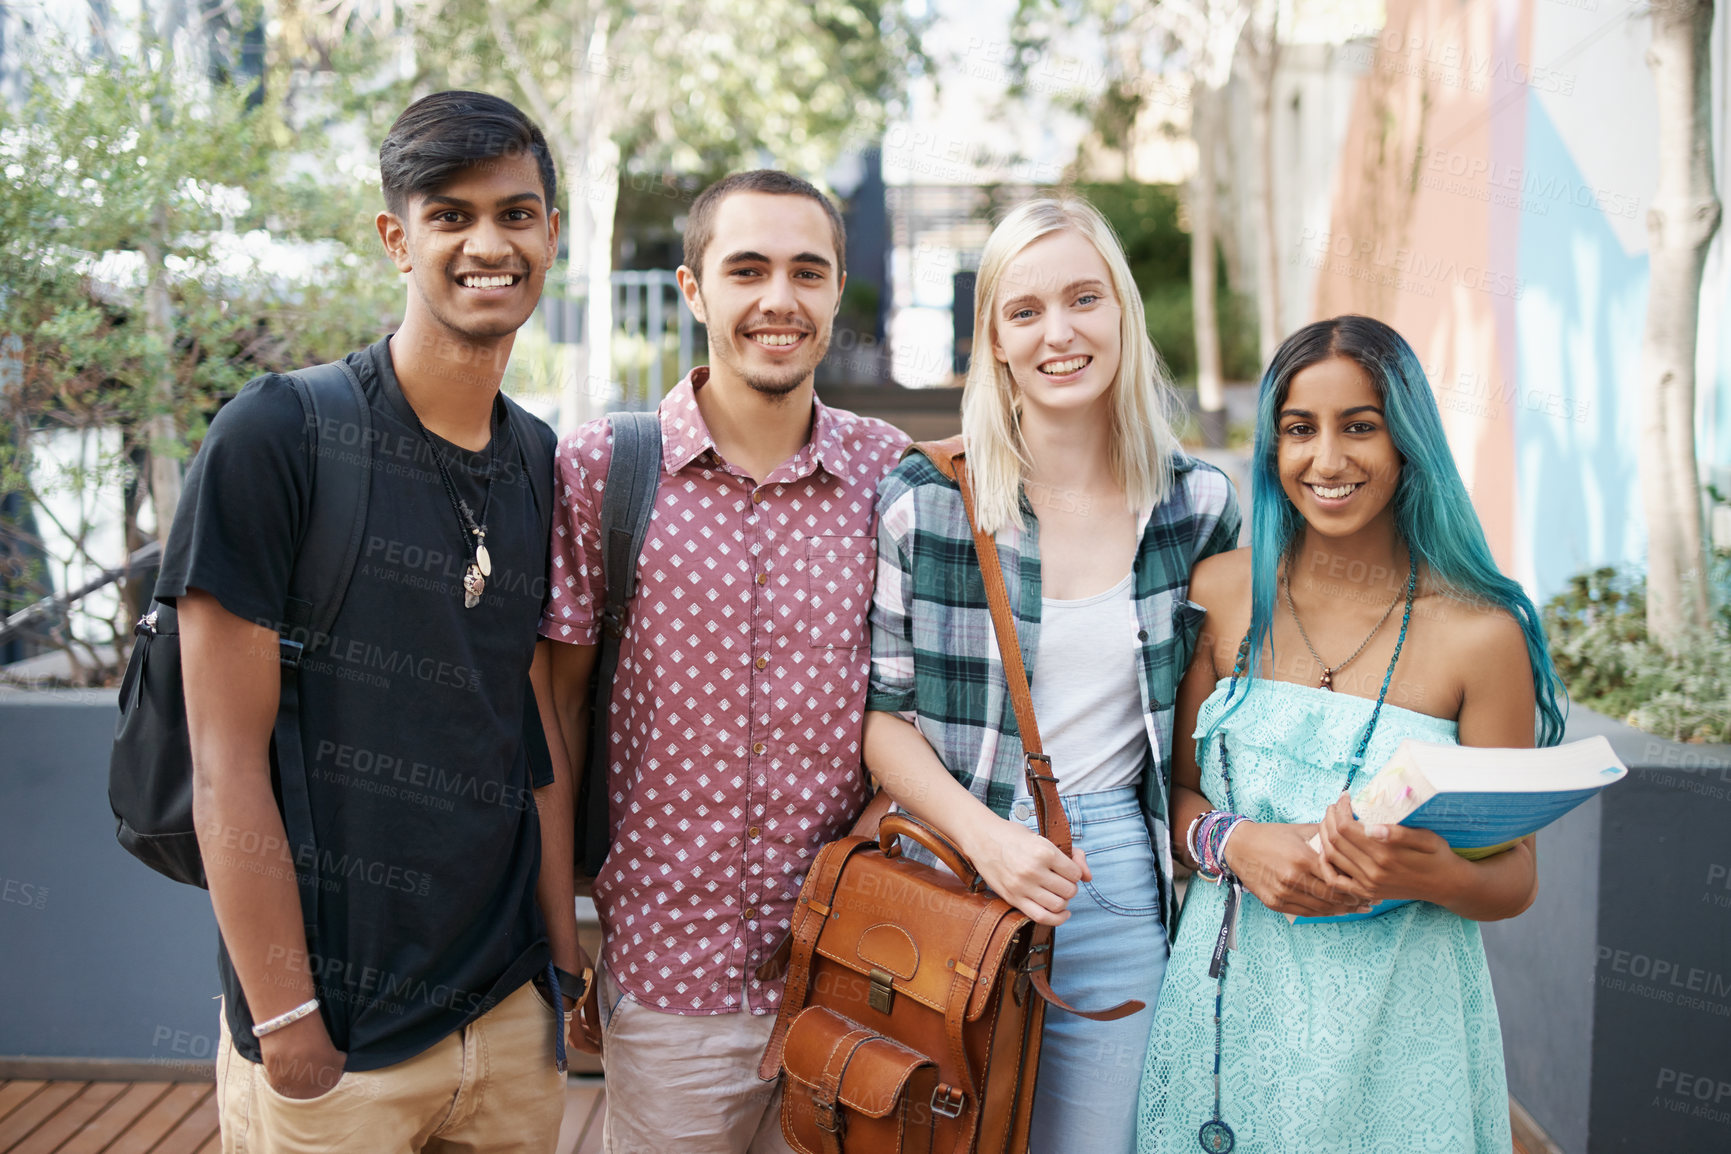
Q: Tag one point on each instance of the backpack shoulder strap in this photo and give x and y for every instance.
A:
(340, 446)
(340, 442)
(633, 475)
(627, 505)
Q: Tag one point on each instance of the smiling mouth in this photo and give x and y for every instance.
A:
(1335, 492)
(777, 340)
(488, 280)
(1065, 367)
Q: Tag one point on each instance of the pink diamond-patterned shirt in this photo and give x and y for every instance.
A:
(736, 711)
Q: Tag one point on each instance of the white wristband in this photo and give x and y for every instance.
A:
(272, 1025)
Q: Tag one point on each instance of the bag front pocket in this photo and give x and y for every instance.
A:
(849, 1089)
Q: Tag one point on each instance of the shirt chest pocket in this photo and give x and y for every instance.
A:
(839, 575)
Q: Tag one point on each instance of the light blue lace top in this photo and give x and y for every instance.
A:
(1366, 1036)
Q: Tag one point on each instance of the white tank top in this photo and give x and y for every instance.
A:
(1085, 691)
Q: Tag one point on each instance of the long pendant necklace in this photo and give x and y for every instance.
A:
(1215, 1136)
(1328, 671)
(480, 565)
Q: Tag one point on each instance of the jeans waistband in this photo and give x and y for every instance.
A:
(1086, 808)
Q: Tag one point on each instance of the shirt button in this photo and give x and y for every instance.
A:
(757, 748)
(763, 579)
(753, 832)
(757, 497)
(1141, 635)
(750, 913)
(761, 662)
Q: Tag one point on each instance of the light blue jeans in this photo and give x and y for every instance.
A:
(1112, 948)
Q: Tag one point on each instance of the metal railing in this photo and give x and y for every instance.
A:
(655, 338)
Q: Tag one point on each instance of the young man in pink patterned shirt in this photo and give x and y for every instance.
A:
(734, 746)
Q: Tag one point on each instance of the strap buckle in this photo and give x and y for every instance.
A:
(948, 1101)
(613, 622)
(1045, 763)
(828, 1118)
(289, 652)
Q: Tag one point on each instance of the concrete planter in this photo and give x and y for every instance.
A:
(104, 959)
(1615, 988)
(109, 969)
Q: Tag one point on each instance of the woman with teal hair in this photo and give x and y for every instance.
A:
(1367, 610)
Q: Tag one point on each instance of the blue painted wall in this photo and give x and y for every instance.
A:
(1578, 350)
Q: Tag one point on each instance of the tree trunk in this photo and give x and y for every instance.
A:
(1210, 385)
(591, 165)
(1680, 224)
(161, 431)
(1264, 57)
(601, 194)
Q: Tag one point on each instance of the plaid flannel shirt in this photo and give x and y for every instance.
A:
(935, 659)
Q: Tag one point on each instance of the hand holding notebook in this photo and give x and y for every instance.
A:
(1481, 801)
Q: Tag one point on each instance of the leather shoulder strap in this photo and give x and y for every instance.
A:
(944, 454)
(951, 461)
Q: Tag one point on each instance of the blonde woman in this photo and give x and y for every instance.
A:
(1098, 517)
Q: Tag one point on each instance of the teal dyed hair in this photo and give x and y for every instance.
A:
(1432, 511)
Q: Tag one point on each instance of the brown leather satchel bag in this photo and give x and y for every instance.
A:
(916, 997)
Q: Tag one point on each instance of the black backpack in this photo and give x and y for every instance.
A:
(633, 474)
(150, 769)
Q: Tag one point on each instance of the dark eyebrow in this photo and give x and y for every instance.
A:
(440, 198)
(1309, 416)
(749, 257)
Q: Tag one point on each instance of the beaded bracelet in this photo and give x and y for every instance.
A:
(1207, 839)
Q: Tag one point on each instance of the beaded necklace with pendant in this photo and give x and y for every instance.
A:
(1215, 1136)
(480, 566)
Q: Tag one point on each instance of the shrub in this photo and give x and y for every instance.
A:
(1597, 629)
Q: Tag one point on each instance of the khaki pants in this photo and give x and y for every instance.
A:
(686, 1084)
(491, 1086)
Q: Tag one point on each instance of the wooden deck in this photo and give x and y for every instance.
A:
(39, 1117)
(180, 1117)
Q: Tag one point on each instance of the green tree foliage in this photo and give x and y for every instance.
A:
(629, 91)
(1145, 216)
(1597, 629)
(161, 241)
(112, 177)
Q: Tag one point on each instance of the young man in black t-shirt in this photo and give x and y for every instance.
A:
(410, 1022)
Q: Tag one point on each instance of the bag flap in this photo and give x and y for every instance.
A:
(920, 927)
(870, 1071)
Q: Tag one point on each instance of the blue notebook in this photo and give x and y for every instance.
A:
(1482, 801)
